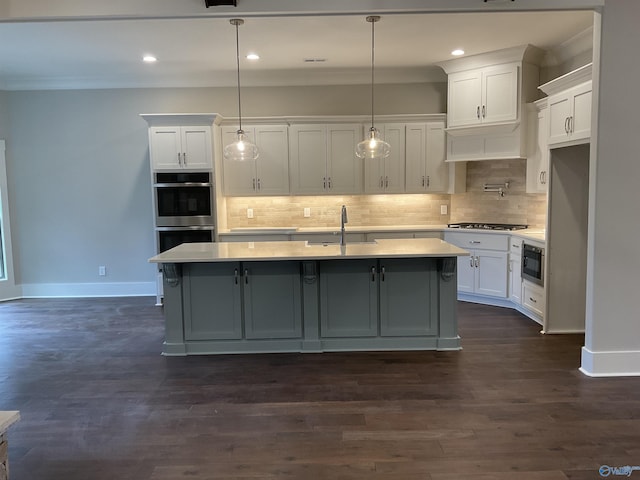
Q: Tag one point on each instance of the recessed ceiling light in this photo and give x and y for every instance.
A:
(457, 52)
(253, 56)
(149, 59)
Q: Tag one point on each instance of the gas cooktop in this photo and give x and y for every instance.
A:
(488, 226)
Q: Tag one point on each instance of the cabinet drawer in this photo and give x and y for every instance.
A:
(533, 298)
(515, 246)
(487, 241)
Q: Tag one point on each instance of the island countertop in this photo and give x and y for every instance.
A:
(298, 250)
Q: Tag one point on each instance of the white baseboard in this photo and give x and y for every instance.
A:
(115, 289)
(610, 364)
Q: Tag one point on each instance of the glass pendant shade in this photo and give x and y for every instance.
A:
(241, 150)
(373, 146)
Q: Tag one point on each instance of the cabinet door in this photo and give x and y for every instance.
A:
(538, 152)
(197, 151)
(581, 118)
(491, 273)
(467, 273)
(416, 158)
(165, 148)
(344, 168)
(272, 299)
(394, 164)
(308, 159)
(408, 301)
(465, 98)
(559, 113)
(348, 298)
(515, 279)
(437, 170)
(499, 94)
(272, 169)
(374, 175)
(212, 301)
(239, 178)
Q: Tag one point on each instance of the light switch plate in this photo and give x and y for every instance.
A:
(307, 212)
(443, 209)
(249, 212)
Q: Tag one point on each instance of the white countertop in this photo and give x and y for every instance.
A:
(287, 250)
(8, 418)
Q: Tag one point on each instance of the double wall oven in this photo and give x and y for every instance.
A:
(185, 211)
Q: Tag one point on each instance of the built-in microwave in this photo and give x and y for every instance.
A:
(183, 199)
(533, 263)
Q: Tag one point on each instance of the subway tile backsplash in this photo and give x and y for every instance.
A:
(411, 209)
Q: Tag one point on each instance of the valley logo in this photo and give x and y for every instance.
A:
(626, 471)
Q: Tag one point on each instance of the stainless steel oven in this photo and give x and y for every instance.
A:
(169, 237)
(533, 263)
(183, 199)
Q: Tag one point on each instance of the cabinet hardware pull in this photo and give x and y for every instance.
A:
(566, 125)
(235, 276)
(373, 274)
(324, 183)
(386, 182)
(329, 183)
(381, 185)
(477, 262)
(475, 242)
(484, 111)
(571, 124)
(423, 180)
(179, 162)
(471, 262)
(478, 112)
(511, 266)
(184, 159)
(254, 183)
(246, 276)
(428, 180)
(382, 272)
(533, 300)
(259, 187)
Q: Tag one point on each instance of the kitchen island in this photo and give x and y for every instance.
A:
(288, 296)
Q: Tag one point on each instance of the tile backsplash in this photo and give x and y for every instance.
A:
(475, 205)
(516, 206)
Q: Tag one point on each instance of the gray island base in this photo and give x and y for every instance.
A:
(246, 297)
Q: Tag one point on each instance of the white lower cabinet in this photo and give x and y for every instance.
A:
(533, 299)
(515, 271)
(484, 272)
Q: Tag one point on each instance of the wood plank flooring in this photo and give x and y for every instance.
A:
(99, 402)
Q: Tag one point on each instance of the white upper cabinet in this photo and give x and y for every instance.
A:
(484, 95)
(180, 147)
(426, 170)
(386, 175)
(570, 102)
(322, 159)
(538, 148)
(181, 141)
(269, 173)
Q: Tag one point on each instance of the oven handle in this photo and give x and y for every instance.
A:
(185, 184)
(190, 227)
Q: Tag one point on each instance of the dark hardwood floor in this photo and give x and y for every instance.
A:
(99, 402)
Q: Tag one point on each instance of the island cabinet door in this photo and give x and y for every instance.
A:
(272, 300)
(212, 301)
(348, 298)
(408, 297)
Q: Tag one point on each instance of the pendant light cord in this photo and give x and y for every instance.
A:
(237, 23)
(373, 23)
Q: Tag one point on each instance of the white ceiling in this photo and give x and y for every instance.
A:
(201, 52)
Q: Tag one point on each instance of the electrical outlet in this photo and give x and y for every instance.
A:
(443, 209)
(102, 270)
(307, 212)
(249, 212)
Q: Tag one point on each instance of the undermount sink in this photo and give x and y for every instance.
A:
(337, 242)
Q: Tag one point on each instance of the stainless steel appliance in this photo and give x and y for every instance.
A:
(183, 199)
(169, 237)
(533, 263)
(488, 226)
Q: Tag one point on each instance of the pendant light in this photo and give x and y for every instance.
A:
(242, 149)
(373, 146)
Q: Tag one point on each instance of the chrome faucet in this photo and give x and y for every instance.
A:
(343, 220)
